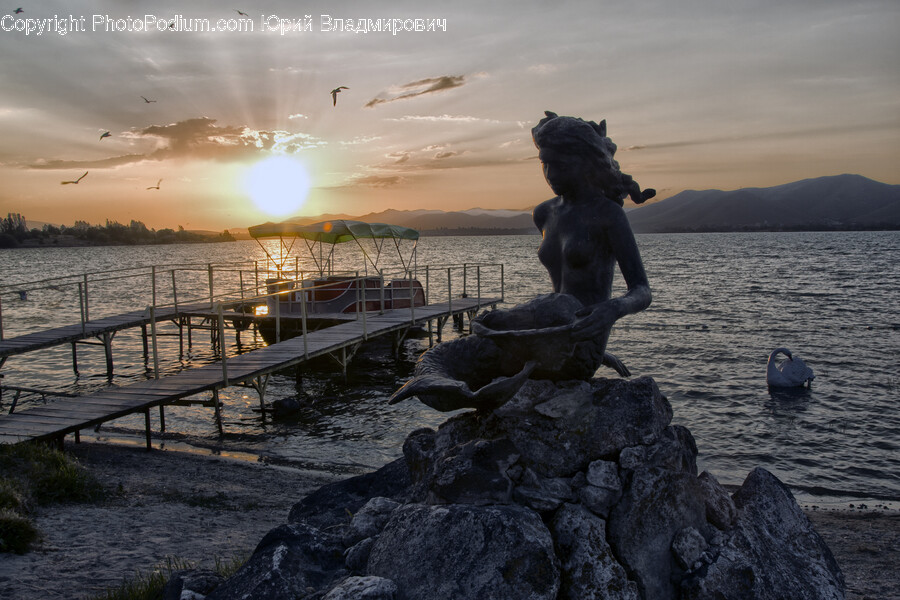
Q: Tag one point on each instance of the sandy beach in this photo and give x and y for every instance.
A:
(197, 507)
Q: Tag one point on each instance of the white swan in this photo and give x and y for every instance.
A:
(792, 372)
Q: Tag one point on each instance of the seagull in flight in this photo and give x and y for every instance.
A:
(155, 187)
(105, 134)
(148, 101)
(18, 11)
(337, 91)
(76, 181)
(243, 14)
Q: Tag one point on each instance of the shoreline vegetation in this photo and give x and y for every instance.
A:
(174, 507)
(14, 233)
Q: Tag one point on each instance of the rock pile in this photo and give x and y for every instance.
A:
(571, 490)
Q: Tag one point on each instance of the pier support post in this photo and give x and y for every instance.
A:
(74, 358)
(212, 301)
(153, 341)
(147, 428)
(278, 318)
(81, 306)
(260, 383)
(144, 341)
(107, 347)
(221, 329)
(162, 418)
(215, 397)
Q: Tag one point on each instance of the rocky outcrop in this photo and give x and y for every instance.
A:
(569, 490)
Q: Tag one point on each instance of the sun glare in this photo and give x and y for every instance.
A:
(278, 185)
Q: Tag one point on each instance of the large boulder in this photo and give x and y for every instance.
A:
(335, 502)
(772, 553)
(571, 489)
(462, 552)
(290, 562)
(590, 571)
(656, 505)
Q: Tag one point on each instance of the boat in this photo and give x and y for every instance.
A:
(300, 299)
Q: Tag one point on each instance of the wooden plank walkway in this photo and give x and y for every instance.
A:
(70, 415)
(57, 336)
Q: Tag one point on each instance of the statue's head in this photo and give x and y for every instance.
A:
(571, 135)
(586, 144)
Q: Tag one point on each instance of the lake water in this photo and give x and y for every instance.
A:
(721, 303)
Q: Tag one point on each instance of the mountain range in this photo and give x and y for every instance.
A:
(840, 202)
(474, 221)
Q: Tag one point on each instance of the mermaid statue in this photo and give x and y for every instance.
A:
(562, 335)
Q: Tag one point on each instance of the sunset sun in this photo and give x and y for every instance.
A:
(278, 185)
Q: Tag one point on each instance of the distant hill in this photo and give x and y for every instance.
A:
(841, 202)
(475, 221)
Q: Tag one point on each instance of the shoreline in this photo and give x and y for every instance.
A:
(198, 507)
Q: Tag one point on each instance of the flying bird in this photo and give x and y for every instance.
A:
(792, 372)
(76, 181)
(243, 14)
(148, 101)
(105, 134)
(18, 11)
(337, 91)
(155, 187)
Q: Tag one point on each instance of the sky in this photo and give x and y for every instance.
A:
(232, 128)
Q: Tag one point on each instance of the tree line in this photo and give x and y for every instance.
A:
(14, 232)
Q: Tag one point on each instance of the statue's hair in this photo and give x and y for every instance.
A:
(588, 140)
(573, 135)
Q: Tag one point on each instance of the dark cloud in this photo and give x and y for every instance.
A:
(399, 157)
(115, 161)
(378, 180)
(188, 137)
(420, 88)
(767, 135)
(198, 138)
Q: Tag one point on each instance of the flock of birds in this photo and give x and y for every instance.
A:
(107, 134)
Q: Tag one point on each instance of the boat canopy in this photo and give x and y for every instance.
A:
(335, 232)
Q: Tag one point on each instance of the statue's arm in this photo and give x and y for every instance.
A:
(625, 249)
(600, 317)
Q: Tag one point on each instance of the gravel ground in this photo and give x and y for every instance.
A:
(198, 508)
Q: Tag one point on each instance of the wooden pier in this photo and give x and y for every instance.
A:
(55, 420)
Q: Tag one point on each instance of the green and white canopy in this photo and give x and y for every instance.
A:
(335, 232)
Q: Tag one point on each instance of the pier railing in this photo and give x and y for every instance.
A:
(222, 293)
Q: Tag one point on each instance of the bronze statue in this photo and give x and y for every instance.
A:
(561, 335)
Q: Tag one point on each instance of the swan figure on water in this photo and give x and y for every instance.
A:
(792, 372)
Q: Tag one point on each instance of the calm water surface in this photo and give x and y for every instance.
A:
(721, 303)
